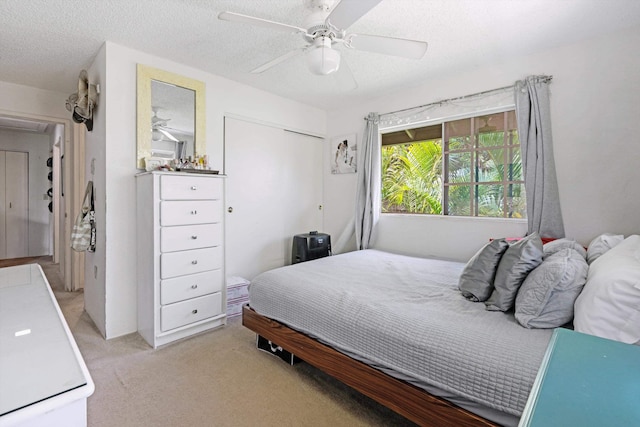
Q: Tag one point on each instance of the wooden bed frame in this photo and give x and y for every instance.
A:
(406, 399)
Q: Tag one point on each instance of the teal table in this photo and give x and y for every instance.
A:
(585, 381)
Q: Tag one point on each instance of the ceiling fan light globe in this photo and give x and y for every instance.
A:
(156, 135)
(323, 60)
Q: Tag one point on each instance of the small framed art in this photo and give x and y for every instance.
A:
(343, 154)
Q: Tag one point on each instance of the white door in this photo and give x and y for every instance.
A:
(273, 190)
(303, 178)
(16, 204)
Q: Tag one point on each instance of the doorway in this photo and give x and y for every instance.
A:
(53, 145)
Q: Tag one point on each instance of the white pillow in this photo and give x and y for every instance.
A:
(602, 244)
(609, 305)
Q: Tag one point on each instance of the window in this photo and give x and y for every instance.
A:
(466, 167)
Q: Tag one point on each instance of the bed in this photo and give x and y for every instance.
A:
(397, 329)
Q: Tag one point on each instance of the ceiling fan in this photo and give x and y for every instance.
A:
(324, 28)
(159, 125)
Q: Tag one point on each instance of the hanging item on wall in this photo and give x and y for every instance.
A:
(50, 176)
(82, 103)
(83, 235)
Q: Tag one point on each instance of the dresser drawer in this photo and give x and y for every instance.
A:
(180, 238)
(193, 310)
(191, 286)
(190, 212)
(190, 188)
(174, 264)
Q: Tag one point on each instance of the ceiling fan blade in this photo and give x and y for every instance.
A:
(344, 77)
(259, 22)
(276, 61)
(413, 49)
(349, 11)
(168, 135)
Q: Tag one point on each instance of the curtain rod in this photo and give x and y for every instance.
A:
(444, 101)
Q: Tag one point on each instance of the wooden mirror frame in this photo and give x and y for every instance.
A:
(145, 75)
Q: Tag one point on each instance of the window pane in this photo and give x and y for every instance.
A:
(491, 139)
(459, 200)
(459, 167)
(516, 201)
(490, 165)
(490, 200)
(512, 123)
(458, 134)
(514, 166)
(412, 178)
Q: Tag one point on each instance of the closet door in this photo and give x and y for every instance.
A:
(16, 204)
(303, 180)
(274, 189)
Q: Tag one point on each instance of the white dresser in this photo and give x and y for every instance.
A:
(180, 255)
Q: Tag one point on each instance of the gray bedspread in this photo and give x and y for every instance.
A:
(406, 316)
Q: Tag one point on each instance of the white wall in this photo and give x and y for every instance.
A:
(595, 111)
(38, 146)
(113, 145)
(19, 99)
(95, 170)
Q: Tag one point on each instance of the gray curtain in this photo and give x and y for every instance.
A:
(368, 188)
(534, 129)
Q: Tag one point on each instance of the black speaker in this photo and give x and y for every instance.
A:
(312, 245)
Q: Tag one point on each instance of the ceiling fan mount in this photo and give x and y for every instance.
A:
(324, 27)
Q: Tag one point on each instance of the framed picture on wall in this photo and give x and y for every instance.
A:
(343, 154)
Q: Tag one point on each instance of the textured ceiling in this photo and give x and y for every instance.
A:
(45, 43)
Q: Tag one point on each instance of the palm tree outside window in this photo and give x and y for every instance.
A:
(465, 167)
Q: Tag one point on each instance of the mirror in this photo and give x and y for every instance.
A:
(171, 116)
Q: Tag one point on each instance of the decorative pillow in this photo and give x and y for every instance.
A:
(560, 244)
(516, 263)
(476, 281)
(602, 244)
(547, 295)
(609, 304)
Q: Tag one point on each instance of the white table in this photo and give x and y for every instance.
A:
(43, 378)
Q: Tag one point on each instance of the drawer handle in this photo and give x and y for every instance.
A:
(194, 311)
(194, 262)
(194, 212)
(194, 237)
(194, 286)
(194, 188)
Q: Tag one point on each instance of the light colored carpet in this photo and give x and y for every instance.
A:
(218, 378)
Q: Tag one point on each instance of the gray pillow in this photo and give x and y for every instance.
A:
(476, 280)
(547, 296)
(516, 263)
(557, 245)
(602, 244)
